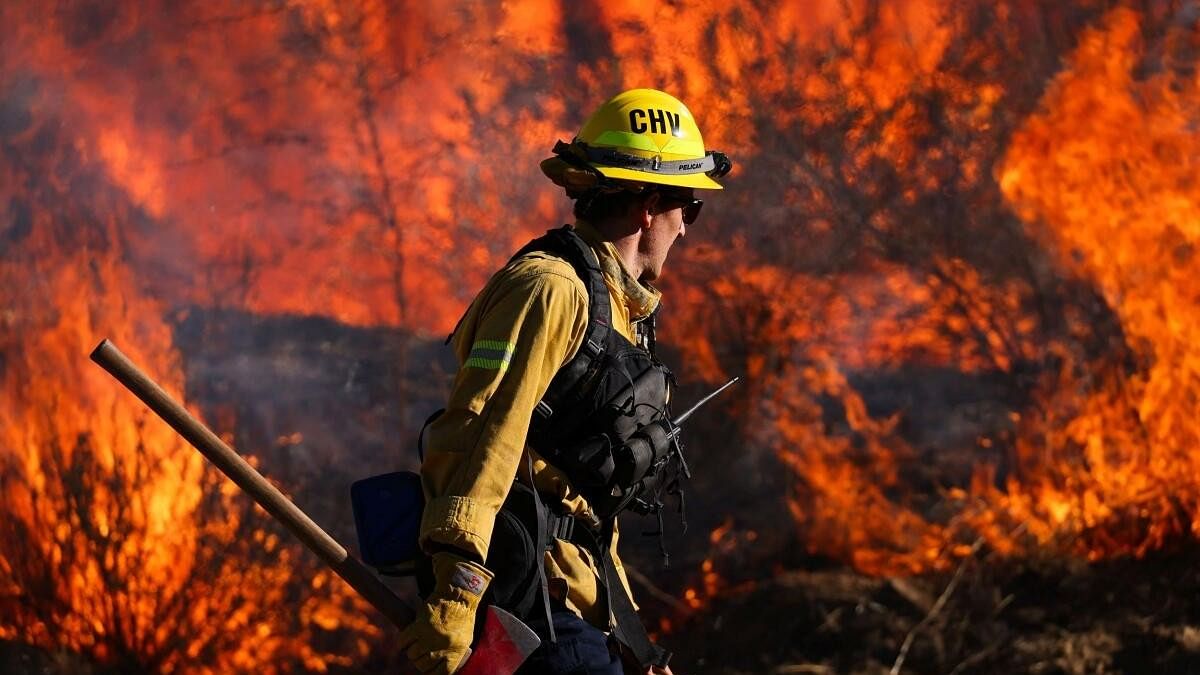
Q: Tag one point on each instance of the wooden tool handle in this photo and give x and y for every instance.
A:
(361, 578)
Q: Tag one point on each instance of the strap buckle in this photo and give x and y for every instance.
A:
(593, 349)
(559, 527)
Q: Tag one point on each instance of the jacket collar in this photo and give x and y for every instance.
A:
(641, 299)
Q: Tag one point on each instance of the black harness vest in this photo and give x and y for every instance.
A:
(608, 392)
(602, 397)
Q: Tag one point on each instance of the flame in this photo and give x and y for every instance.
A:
(292, 186)
(1094, 463)
(1105, 175)
(135, 553)
(117, 542)
(725, 542)
(851, 501)
(290, 183)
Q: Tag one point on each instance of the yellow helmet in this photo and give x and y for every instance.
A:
(638, 137)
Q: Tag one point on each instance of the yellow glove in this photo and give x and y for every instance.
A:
(440, 638)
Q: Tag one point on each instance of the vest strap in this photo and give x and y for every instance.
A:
(566, 243)
(625, 624)
(540, 548)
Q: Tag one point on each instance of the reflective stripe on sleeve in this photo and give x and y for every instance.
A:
(490, 355)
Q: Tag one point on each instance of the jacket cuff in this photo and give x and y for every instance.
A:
(457, 522)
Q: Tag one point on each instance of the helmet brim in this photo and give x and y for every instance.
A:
(699, 181)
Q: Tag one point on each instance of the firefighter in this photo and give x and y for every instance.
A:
(556, 375)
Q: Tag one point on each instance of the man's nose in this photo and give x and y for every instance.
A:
(682, 229)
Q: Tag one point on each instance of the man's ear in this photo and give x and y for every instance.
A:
(648, 209)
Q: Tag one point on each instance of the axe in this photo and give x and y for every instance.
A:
(505, 642)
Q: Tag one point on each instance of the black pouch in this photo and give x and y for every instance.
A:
(387, 518)
(513, 555)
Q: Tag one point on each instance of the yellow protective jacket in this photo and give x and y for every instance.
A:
(525, 324)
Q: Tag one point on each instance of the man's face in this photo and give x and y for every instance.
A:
(665, 226)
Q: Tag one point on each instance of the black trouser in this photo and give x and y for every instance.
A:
(581, 649)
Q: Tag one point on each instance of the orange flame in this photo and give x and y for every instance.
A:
(117, 542)
(1096, 463)
(1105, 175)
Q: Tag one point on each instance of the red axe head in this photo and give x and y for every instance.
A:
(503, 647)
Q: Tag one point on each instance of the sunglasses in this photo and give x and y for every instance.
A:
(691, 206)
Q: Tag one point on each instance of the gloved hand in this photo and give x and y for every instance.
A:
(440, 638)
